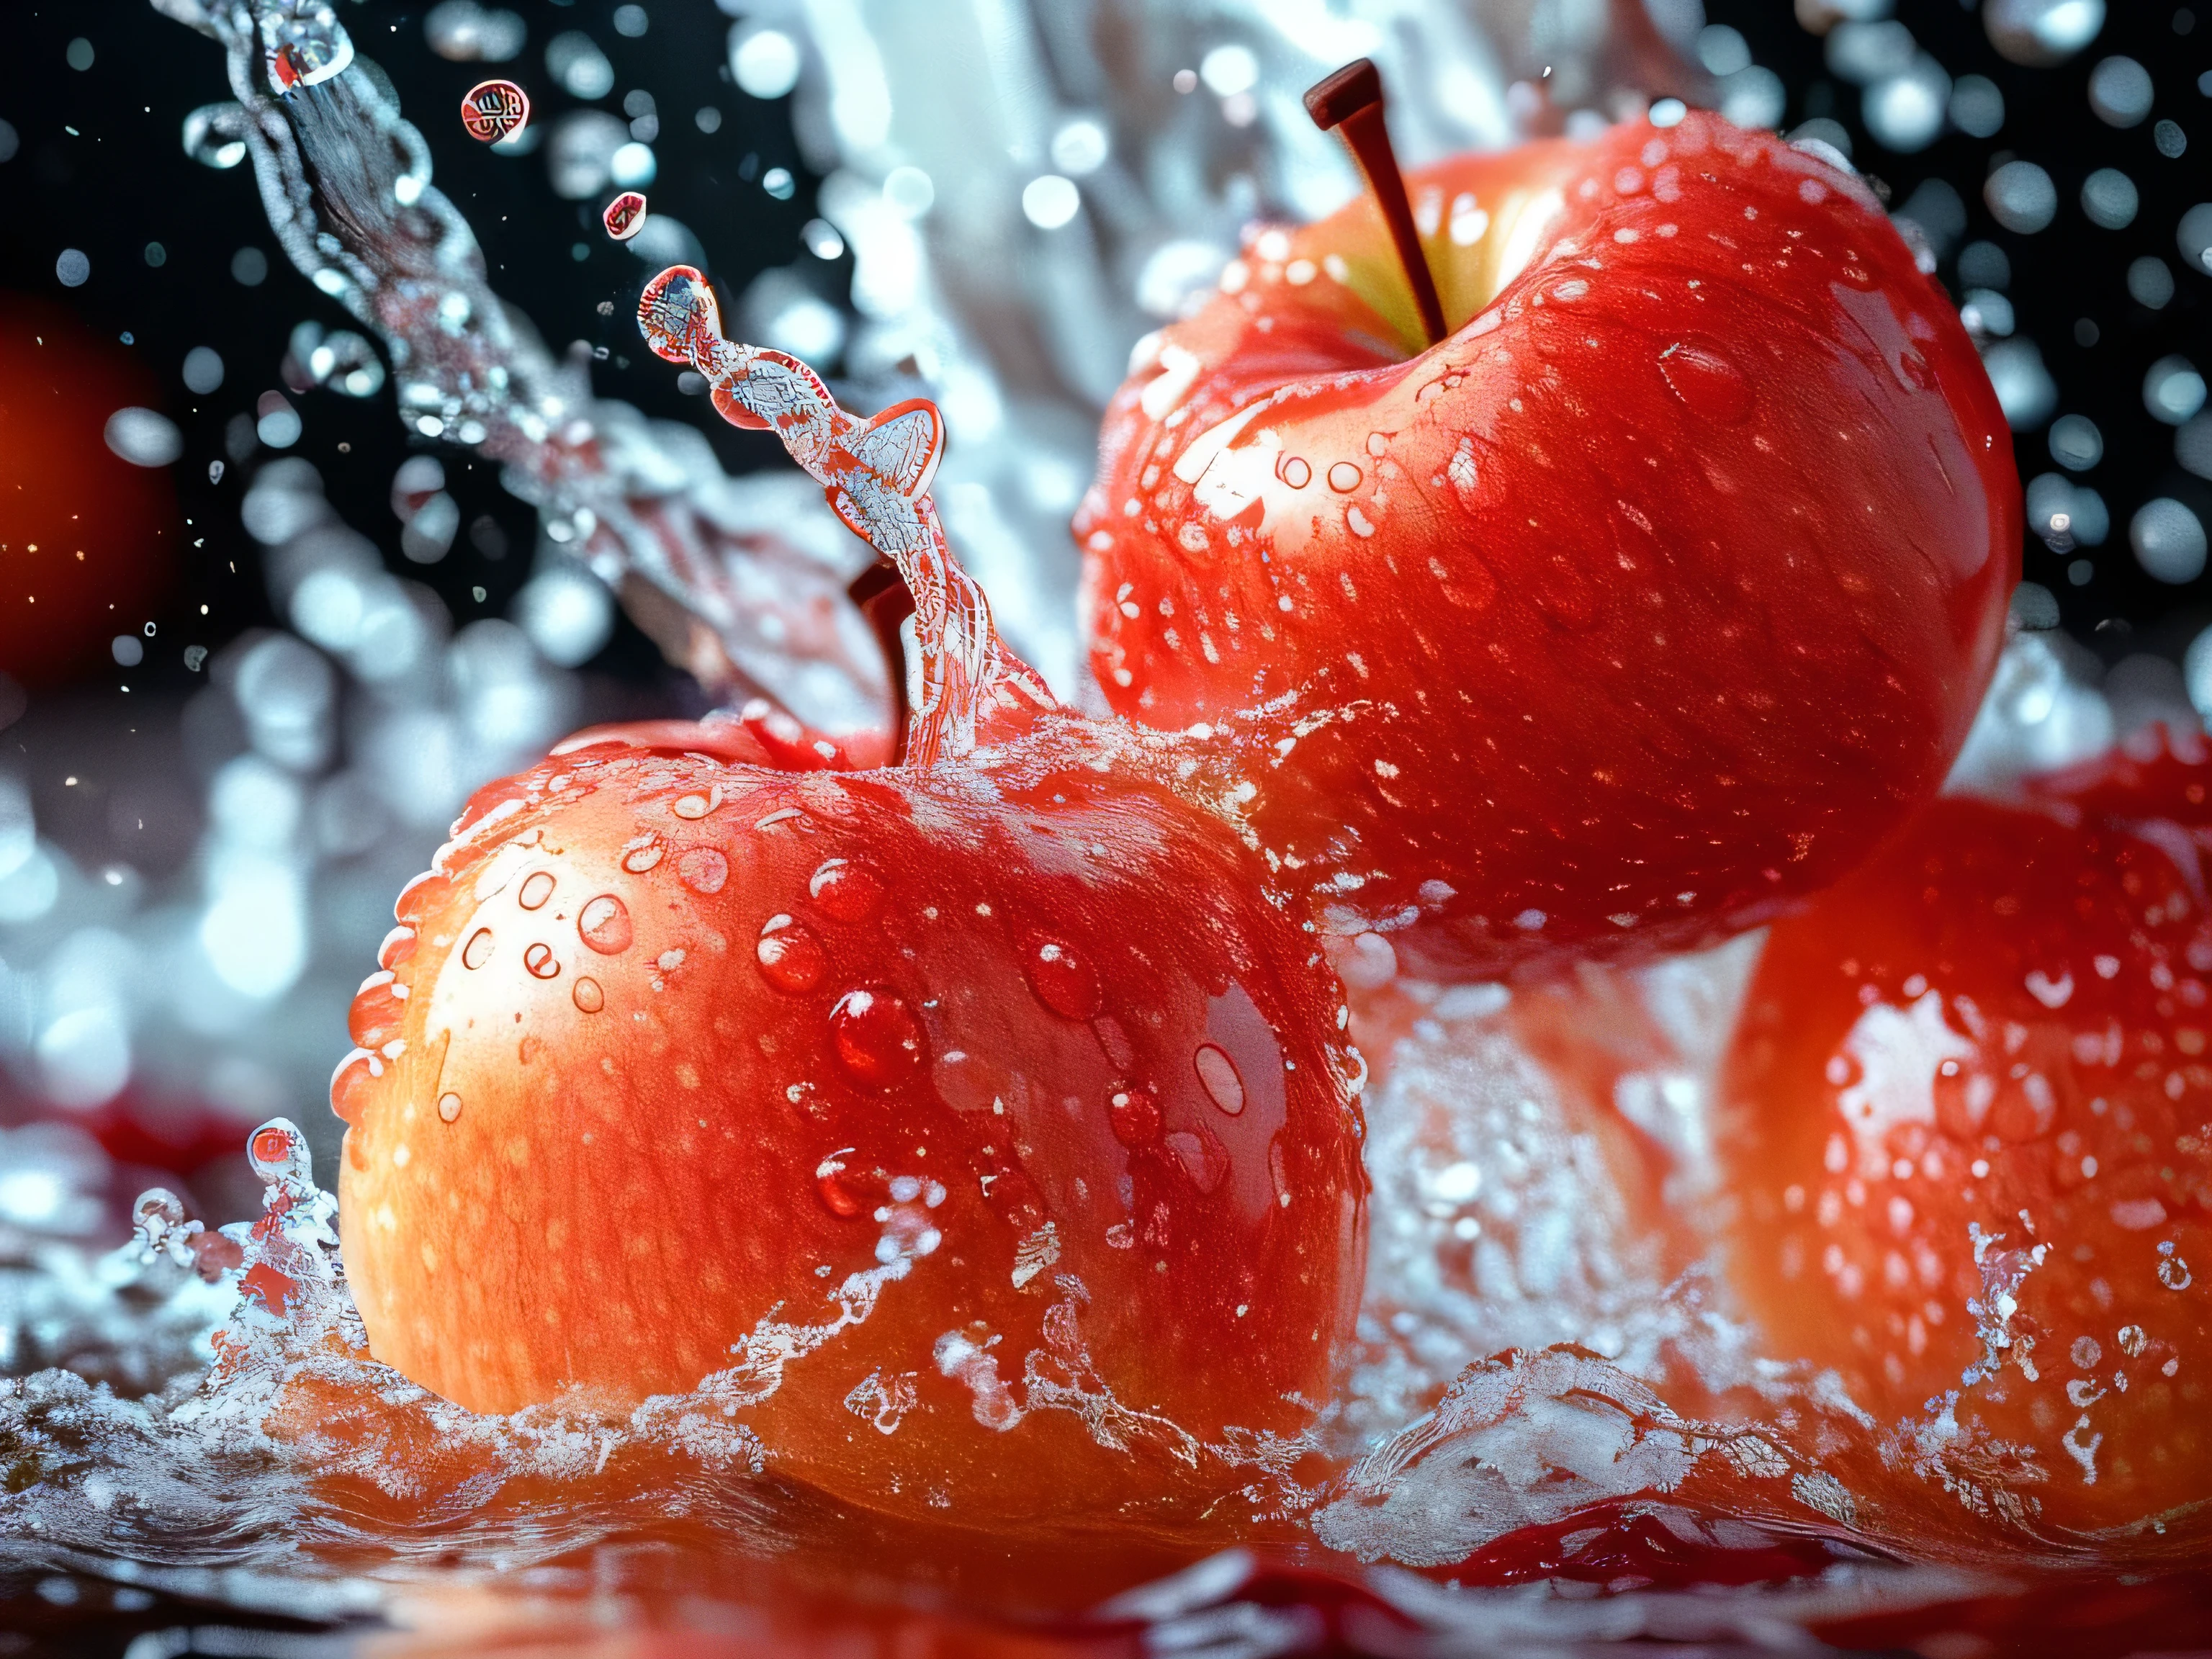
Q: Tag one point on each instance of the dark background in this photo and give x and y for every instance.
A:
(120, 180)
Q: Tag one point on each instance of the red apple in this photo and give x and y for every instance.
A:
(87, 539)
(975, 1127)
(1647, 601)
(1972, 1154)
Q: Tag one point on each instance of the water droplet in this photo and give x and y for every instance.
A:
(1295, 472)
(2132, 1340)
(1217, 1073)
(790, 957)
(1344, 478)
(703, 869)
(278, 1152)
(836, 1197)
(1711, 386)
(2173, 1274)
(605, 925)
(541, 962)
(1135, 1116)
(641, 856)
(1202, 1158)
(697, 806)
(537, 888)
(587, 996)
(449, 1107)
(477, 951)
(1063, 981)
(875, 1036)
(845, 892)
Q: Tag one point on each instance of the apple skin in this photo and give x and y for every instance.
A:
(1645, 604)
(1998, 1025)
(703, 1147)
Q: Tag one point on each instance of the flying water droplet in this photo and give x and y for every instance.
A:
(1134, 1115)
(449, 1107)
(845, 892)
(537, 888)
(791, 959)
(541, 962)
(604, 925)
(1711, 386)
(587, 996)
(477, 951)
(875, 1036)
(1218, 1073)
(703, 869)
(1063, 981)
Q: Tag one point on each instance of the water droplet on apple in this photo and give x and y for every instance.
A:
(703, 869)
(477, 951)
(845, 892)
(836, 1197)
(1134, 1115)
(1063, 981)
(1344, 478)
(791, 959)
(1294, 471)
(537, 888)
(449, 1107)
(875, 1036)
(1218, 1073)
(587, 996)
(540, 961)
(639, 860)
(604, 925)
(1710, 386)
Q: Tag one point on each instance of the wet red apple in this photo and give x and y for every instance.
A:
(976, 1127)
(1647, 600)
(1971, 1146)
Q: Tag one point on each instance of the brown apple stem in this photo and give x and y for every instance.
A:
(1350, 103)
(881, 595)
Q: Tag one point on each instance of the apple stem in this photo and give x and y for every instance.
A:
(879, 594)
(876, 474)
(1350, 103)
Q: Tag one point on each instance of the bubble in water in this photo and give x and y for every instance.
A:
(2173, 390)
(2193, 236)
(2021, 197)
(1977, 106)
(537, 888)
(2040, 32)
(2025, 390)
(463, 31)
(576, 62)
(493, 110)
(2076, 442)
(541, 962)
(1218, 1075)
(278, 1152)
(1905, 112)
(846, 891)
(477, 951)
(1708, 383)
(203, 370)
(604, 925)
(2108, 198)
(2120, 92)
(624, 216)
(790, 957)
(703, 869)
(641, 859)
(587, 996)
(449, 1107)
(1063, 981)
(2168, 540)
(1134, 1117)
(143, 437)
(2150, 283)
(875, 1036)
(73, 269)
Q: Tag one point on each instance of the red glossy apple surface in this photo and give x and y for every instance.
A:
(87, 539)
(983, 1125)
(1972, 1149)
(1651, 598)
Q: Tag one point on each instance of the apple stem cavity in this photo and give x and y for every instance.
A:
(876, 472)
(1350, 103)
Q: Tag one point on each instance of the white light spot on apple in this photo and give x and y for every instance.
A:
(1468, 222)
(1359, 523)
(1298, 272)
(1531, 920)
(1178, 369)
(1234, 276)
(1273, 245)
